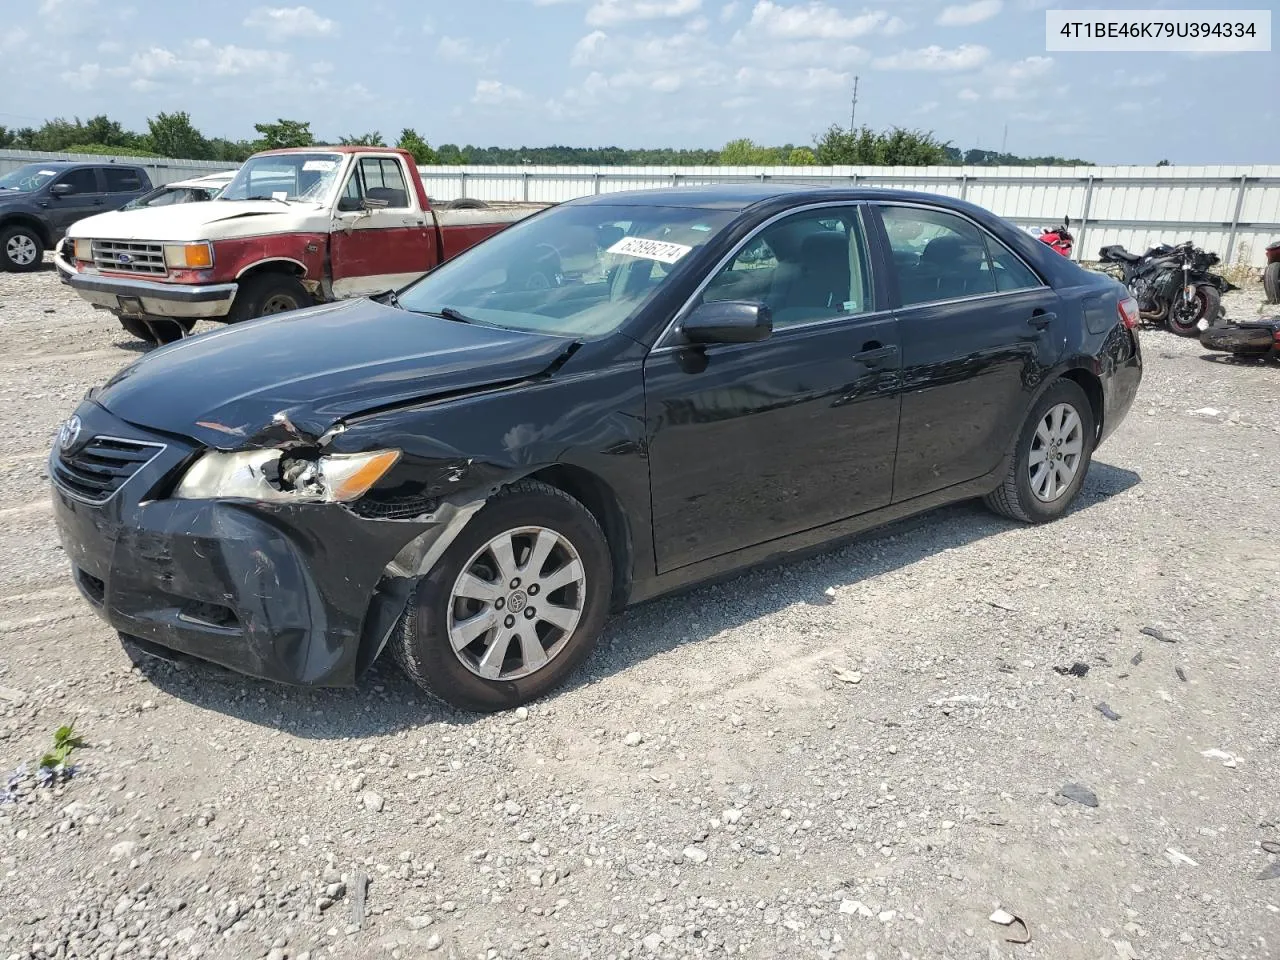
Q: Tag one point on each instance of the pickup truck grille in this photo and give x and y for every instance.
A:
(129, 256)
(101, 467)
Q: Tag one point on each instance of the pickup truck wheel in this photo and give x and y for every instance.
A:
(514, 605)
(21, 249)
(1271, 282)
(266, 294)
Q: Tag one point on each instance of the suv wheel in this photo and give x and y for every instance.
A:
(21, 249)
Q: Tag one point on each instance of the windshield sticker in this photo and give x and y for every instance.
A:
(322, 165)
(658, 250)
(279, 194)
(46, 173)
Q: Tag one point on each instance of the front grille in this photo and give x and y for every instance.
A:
(101, 466)
(138, 257)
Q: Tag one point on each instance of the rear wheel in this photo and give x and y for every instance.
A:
(516, 603)
(268, 294)
(1271, 282)
(1050, 458)
(1186, 316)
(21, 249)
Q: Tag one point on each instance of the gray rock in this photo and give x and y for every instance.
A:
(1080, 794)
(372, 801)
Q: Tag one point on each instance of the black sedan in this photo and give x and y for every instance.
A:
(613, 398)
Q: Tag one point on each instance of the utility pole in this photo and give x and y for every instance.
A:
(1004, 141)
(853, 112)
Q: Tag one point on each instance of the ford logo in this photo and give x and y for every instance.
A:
(68, 434)
(124, 258)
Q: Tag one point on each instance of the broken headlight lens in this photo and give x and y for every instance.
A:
(272, 476)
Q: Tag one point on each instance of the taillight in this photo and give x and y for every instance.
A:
(1276, 338)
(1128, 311)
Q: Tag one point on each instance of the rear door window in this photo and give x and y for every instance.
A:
(122, 180)
(936, 255)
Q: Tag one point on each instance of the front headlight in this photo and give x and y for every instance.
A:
(84, 250)
(270, 476)
(188, 256)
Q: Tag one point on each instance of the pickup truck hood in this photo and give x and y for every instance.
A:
(207, 220)
(295, 375)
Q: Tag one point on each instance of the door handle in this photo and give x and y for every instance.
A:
(1042, 318)
(875, 355)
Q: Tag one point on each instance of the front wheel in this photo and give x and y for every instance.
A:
(1271, 281)
(1186, 316)
(21, 249)
(1050, 459)
(267, 294)
(514, 605)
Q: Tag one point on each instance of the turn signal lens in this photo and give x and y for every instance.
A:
(1128, 311)
(188, 256)
(346, 476)
(84, 250)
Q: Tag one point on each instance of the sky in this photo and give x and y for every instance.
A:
(636, 73)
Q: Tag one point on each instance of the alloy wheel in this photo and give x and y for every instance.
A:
(21, 250)
(1056, 451)
(516, 603)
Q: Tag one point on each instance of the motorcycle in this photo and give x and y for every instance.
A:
(1271, 275)
(1172, 284)
(1059, 238)
(1246, 340)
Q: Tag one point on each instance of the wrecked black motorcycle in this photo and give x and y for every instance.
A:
(1172, 284)
(1246, 339)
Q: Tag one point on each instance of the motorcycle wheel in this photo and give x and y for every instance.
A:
(1271, 282)
(1184, 318)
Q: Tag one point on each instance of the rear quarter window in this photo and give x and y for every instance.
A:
(122, 180)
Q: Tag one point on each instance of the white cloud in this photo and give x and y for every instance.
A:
(967, 14)
(590, 49)
(282, 23)
(927, 107)
(728, 11)
(813, 21)
(204, 58)
(894, 26)
(935, 58)
(969, 94)
(492, 92)
(13, 39)
(1020, 80)
(605, 13)
(466, 50)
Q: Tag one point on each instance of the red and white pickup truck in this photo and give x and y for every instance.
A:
(295, 227)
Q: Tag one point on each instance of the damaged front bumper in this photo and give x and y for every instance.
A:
(135, 297)
(304, 593)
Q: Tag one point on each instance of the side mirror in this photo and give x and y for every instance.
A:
(728, 321)
(59, 189)
(1066, 222)
(369, 203)
(349, 204)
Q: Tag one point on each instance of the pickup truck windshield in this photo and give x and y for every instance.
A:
(285, 176)
(576, 271)
(27, 179)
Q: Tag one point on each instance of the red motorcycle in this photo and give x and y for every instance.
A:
(1059, 238)
(1271, 276)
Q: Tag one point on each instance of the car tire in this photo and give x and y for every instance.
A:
(267, 294)
(1208, 304)
(441, 612)
(21, 249)
(1271, 282)
(1017, 496)
(168, 329)
(467, 203)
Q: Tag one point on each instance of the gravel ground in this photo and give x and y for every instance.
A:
(864, 754)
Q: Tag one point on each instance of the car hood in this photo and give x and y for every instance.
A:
(202, 220)
(296, 375)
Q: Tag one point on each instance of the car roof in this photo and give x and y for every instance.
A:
(73, 164)
(741, 195)
(205, 180)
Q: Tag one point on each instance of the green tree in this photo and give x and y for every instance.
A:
(283, 133)
(452, 154)
(421, 150)
(172, 135)
(864, 146)
(801, 157)
(363, 140)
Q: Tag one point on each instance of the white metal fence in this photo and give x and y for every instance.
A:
(1231, 210)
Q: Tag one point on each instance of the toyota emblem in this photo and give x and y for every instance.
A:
(68, 434)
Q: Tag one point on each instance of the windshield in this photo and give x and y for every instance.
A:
(285, 176)
(27, 179)
(575, 271)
